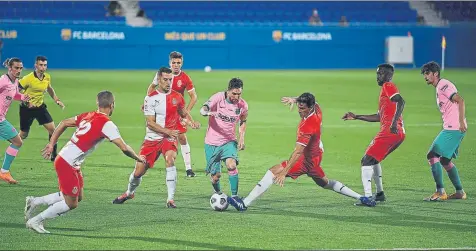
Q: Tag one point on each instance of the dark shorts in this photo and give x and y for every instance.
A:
(28, 115)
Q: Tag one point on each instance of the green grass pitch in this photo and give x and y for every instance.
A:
(298, 216)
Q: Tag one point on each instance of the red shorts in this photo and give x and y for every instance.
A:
(181, 128)
(383, 144)
(311, 167)
(153, 149)
(70, 180)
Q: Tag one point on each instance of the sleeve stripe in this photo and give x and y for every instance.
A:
(451, 96)
(394, 95)
(302, 144)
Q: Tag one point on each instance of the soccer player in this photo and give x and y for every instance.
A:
(225, 110)
(162, 109)
(91, 129)
(391, 134)
(445, 146)
(35, 84)
(305, 159)
(8, 92)
(181, 82)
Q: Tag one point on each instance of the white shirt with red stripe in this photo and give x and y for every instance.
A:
(92, 129)
(165, 107)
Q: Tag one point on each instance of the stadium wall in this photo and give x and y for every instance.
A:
(230, 47)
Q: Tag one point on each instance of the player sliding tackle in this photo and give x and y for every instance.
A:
(92, 129)
(391, 133)
(306, 158)
(225, 110)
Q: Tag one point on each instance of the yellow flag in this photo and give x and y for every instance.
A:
(443, 42)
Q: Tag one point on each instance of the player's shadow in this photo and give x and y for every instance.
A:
(161, 240)
(22, 225)
(391, 218)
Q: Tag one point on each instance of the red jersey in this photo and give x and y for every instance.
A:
(387, 108)
(180, 82)
(309, 134)
(92, 129)
(165, 107)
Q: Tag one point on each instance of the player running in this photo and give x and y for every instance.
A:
(225, 110)
(8, 92)
(306, 158)
(162, 109)
(445, 146)
(391, 134)
(92, 129)
(35, 85)
(181, 82)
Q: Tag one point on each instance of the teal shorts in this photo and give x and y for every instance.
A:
(446, 144)
(7, 131)
(216, 154)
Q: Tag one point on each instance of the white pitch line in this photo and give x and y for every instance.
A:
(405, 249)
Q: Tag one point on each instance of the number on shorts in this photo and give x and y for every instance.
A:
(83, 128)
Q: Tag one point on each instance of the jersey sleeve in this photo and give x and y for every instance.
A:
(244, 111)
(149, 106)
(24, 82)
(189, 84)
(111, 131)
(213, 101)
(390, 90)
(304, 135)
(449, 90)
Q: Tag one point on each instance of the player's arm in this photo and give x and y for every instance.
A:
(206, 109)
(150, 120)
(368, 118)
(188, 118)
(242, 131)
(59, 130)
(400, 105)
(126, 149)
(150, 88)
(193, 99)
(456, 98)
(23, 83)
(52, 94)
(298, 151)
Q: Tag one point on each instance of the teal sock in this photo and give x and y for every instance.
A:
(216, 186)
(437, 171)
(454, 177)
(233, 184)
(10, 155)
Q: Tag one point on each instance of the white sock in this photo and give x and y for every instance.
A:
(338, 187)
(49, 199)
(4, 171)
(186, 156)
(53, 211)
(259, 189)
(133, 184)
(378, 177)
(367, 173)
(171, 180)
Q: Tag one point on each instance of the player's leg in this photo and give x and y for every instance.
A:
(262, 186)
(213, 167)
(71, 186)
(367, 172)
(185, 149)
(229, 153)
(26, 120)
(449, 150)
(170, 176)
(150, 150)
(8, 132)
(32, 203)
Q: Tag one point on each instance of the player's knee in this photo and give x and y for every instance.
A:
(231, 164)
(445, 162)
(216, 177)
(431, 155)
(276, 169)
(368, 161)
(322, 182)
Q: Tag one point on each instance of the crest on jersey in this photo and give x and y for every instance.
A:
(237, 111)
(174, 101)
(179, 83)
(75, 190)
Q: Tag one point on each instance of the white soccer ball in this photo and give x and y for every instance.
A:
(208, 69)
(218, 202)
